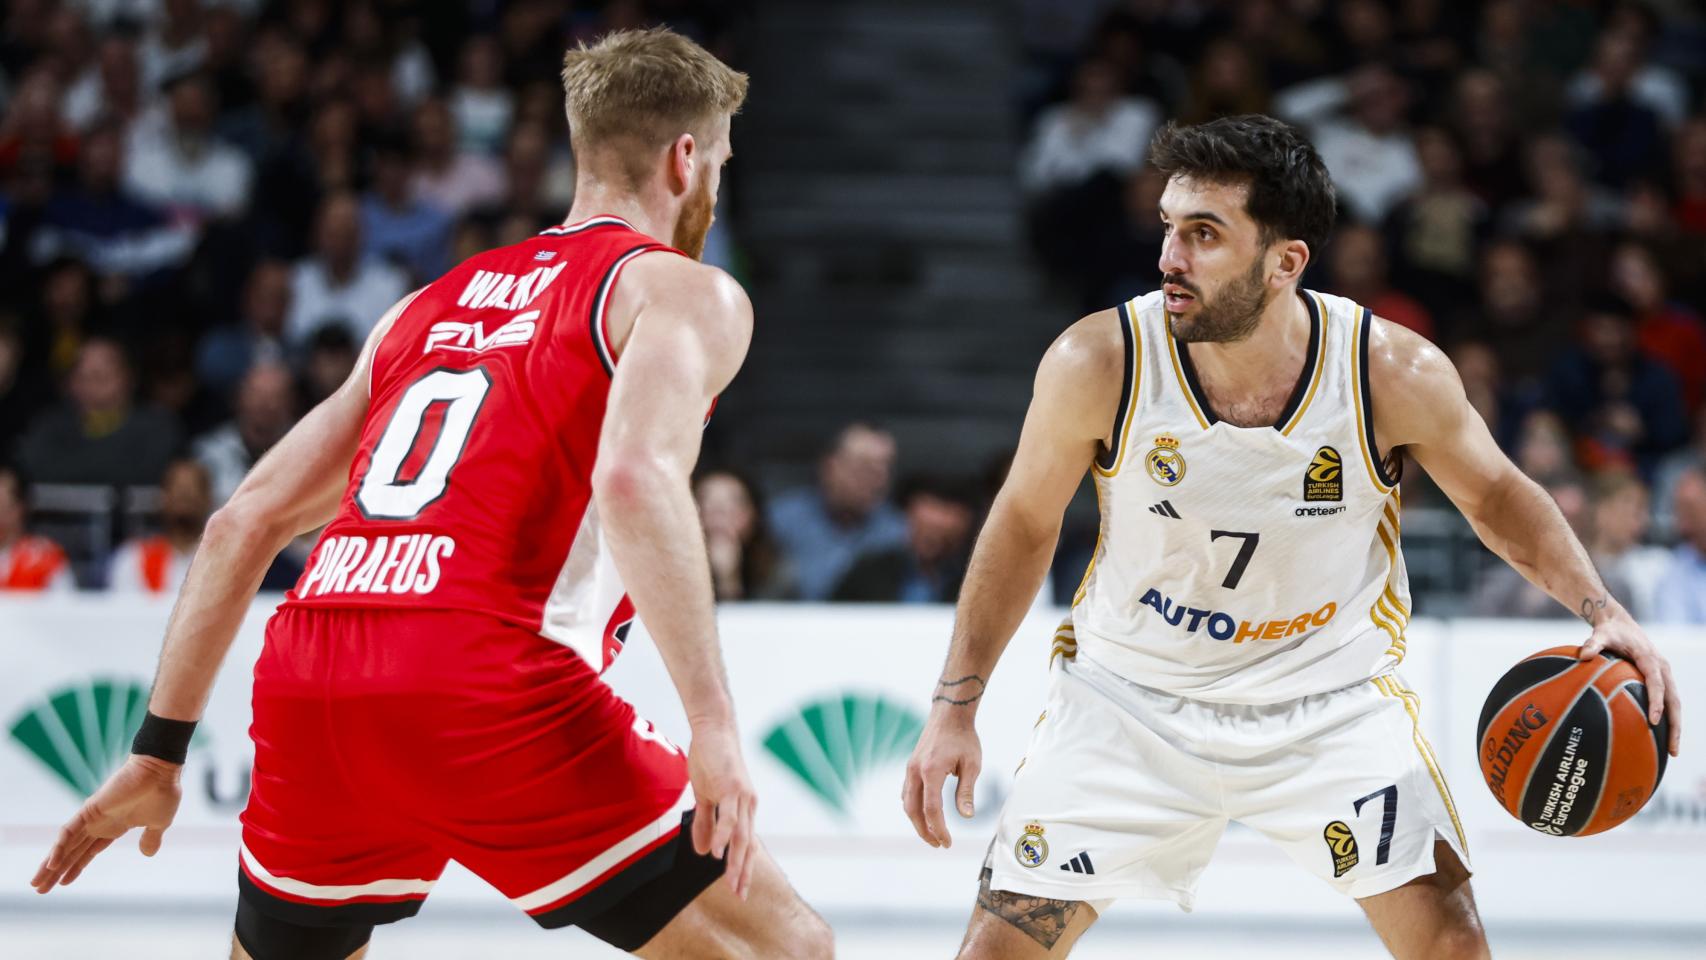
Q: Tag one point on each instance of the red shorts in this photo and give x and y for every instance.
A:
(389, 742)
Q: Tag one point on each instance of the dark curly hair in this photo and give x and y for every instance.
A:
(1291, 196)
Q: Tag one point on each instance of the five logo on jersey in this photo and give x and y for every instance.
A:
(1221, 626)
(503, 291)
(405, 564)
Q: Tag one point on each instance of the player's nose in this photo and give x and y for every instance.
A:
(1172, 261)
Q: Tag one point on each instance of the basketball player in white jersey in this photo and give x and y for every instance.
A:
(1232, 652)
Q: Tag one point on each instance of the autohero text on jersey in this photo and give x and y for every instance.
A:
(1222, 626)
(376, 565)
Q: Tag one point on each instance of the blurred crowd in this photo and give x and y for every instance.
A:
(205, 206)
(1521, 181)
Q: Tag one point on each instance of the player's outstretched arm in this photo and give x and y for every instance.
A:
(1072, 412)
(292, 490)
(689, 334)
(1419, 403)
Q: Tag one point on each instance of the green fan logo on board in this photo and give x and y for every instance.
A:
(82, 732)
(832, 743)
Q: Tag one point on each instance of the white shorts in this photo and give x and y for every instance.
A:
(1124, 791)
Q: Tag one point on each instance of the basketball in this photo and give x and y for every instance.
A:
(1564, 743)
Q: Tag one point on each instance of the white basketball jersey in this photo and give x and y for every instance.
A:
(1244, 564)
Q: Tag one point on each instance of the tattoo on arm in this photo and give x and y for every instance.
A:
(1591, 606)
(1039, 918)
(966, 690)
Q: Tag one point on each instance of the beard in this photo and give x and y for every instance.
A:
(694, 223)
(1231, 316)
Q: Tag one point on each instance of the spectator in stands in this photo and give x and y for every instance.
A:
(1666, 330)
(1226, 83)
(1670, 472)
(1357, 124)
(396, 226)
(338, 284)
(266, 126)
(264, 411)
(932, 563)
(1543, 449)
(1358, 266)
(1623, 134)
(1563, 205)
(745, 562)
(1626, 407)
(175, 45)
(1682, 592)
(180, 164)
(1626, 38)
(110, 88)
(27, 562)
(332, 354)
(1688, 177)
(22, 389)
(1492, 143)
(1513, 315)
(156, 564)
(228, 352)
(99, 223)
(825, 529)
(1098, 130)
(1435, 233)
(455, 180)
(98, 435)
(1620, 521)
(482, 105)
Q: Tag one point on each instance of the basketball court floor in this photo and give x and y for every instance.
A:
(42, 931)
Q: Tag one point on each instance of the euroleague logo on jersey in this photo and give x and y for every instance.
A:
(1322, 480)
(1166, 465)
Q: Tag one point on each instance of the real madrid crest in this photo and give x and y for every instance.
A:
(1031, 849)
(1165, 463)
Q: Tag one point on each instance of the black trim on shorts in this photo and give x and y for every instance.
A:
(630, 908)
(315, 915)
(265, 937)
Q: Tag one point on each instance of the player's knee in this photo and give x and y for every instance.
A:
(1460, 939)
(806, 937)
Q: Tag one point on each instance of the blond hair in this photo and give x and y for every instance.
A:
(645, 87)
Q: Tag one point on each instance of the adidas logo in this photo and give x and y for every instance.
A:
(1165, 509)
(833, 743)
(1079, 864)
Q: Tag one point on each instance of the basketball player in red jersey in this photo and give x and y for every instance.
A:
(510, 455)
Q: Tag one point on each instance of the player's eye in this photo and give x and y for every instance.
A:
(1204, 233)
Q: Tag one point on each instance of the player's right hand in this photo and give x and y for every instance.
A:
(722, 825)
(144, 793)
(949, 744)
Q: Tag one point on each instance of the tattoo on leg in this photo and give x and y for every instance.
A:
(959, 692)
(1039, 918)
(1591, 606)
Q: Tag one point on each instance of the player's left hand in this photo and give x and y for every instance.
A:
(1620, 634)
(144, 793)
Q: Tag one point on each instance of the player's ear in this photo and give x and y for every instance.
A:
(1293, 257)
(683, 159)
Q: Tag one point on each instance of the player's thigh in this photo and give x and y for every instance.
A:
(1018, 926)
(261, 936)
(1432, 916)
(238, 953)
(771, 922)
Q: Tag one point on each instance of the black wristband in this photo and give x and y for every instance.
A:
(168, 740)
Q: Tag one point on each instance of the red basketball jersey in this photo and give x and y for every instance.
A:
(472, 486)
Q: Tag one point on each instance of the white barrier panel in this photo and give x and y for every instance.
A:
(831, 700)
